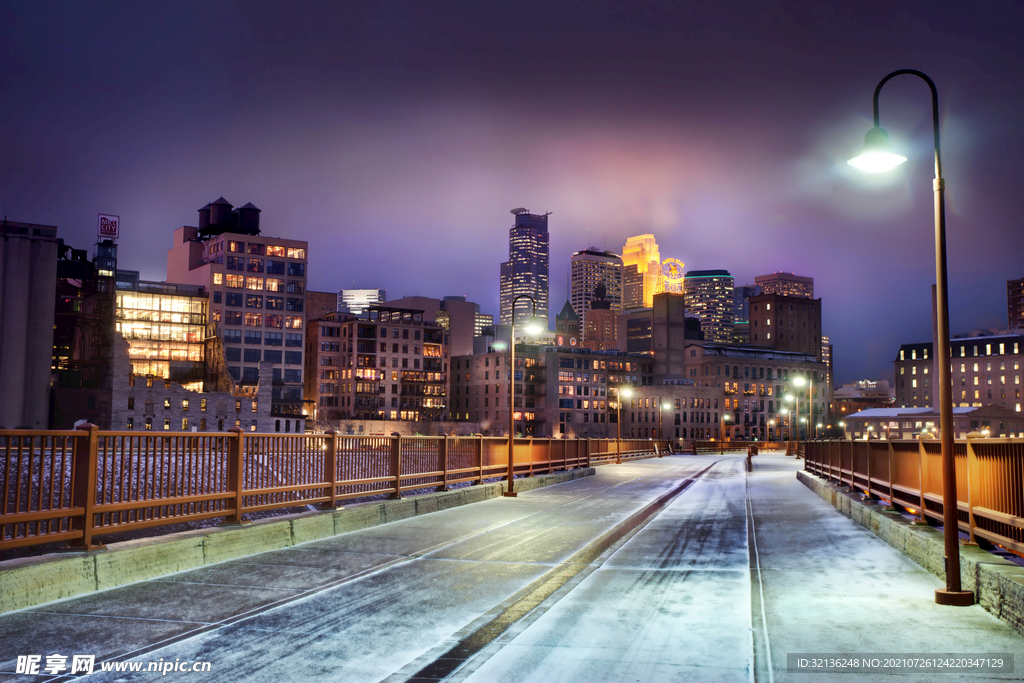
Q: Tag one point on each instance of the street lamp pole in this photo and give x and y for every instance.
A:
(622, 391)
(510, 476)
(878, 156)
(664, 406)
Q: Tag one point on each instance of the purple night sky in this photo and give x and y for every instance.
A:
(396, 136)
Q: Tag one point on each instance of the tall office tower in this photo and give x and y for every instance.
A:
(1015, 303)
(741, 311)
(642, 251)
(632, 288)
(526, 271)
(710, 295)
(590, 268)
(257, 289)
(826, 356)
(606, 329)
(356, 301)
(786, 284)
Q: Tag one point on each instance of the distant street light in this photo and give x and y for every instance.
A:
(532, 328)
(877, 156)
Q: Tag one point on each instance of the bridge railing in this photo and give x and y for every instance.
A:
(70, 486)
(721, 446)
(989, 479)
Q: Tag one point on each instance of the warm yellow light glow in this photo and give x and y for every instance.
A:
(799, 381)
(876, 162)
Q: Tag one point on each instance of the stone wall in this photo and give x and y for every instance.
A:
(169, 406)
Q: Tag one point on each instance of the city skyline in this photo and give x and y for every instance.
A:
(398, 155)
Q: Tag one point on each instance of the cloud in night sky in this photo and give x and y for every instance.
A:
(395, 137)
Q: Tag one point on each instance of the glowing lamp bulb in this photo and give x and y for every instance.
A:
(877, 155)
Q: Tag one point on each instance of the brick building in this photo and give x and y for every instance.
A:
(392, 364)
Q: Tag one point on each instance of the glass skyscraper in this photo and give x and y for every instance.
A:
(526, 271)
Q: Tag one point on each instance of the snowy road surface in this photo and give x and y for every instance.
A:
(676, 569)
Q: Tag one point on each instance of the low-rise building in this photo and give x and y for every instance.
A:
(675, 409)
(756, 384)
(986, 370)
(910, 423)
(560, 392)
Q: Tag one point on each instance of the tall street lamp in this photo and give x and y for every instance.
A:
(624, 391)
(725, 424)
(800, 381)
(792, 399)
(878, 156)
(785, 425)
(532, 327)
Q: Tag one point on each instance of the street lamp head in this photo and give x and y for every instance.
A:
(799, 381)
(784, 411)
(725, 417)
(789, 397)
(499, 346)
(626, 391)
(877, 155)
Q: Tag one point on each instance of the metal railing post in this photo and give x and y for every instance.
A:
(331, 470)
(479, 447)
(973, 478)
(396, 464)
(84, 485)
(236, 472)
(443, 459)
(922, 474)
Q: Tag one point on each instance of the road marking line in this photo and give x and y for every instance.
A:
(752, 527)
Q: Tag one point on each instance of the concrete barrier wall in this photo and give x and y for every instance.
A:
(31, 581)
(997, 583)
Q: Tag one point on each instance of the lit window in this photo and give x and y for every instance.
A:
(218, 278)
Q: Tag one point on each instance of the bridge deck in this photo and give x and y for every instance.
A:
(683, 568)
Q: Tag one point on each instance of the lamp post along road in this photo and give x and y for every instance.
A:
(878, 156)
(623, 391)
(532, 328)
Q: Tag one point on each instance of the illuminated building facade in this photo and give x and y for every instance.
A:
(590, 268)
(165, 327)
(642, 252)
(710, 296)
(482, 320)
(257, 302)
(986, 371)
(526, 271)
(390, 365)
(786, 284)
(356, 301)
(755, 383)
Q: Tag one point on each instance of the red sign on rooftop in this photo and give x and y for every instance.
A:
(108, 226)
